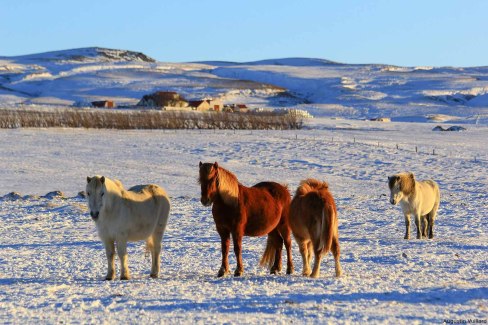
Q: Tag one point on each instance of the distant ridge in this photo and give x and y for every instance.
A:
(88, 54)
(294, 62)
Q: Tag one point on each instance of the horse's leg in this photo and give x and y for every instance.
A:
(316, 265)
(425, 225)
(418, 224)
(407, 225)
(110, 252)
(431, 226)
(286, 233)
(303, 247)
(336, 251)
(122, 252)
(225, 244)
(309, 254)
(156, 239)
(237, 241)
(277, 241)
(431, 216)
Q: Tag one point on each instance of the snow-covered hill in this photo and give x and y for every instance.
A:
(323, 87)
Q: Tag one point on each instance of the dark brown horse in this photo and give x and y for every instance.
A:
(247, 211)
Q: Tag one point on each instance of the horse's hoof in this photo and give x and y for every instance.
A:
(289, 271)
(154, 276)
(306, 273)
(108, 278)
(314, 275)
(238, 272)
(275, 270)
(406, 237)
(221, 273)
(125, 277)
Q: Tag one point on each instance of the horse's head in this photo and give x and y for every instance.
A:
(400, 186)
(394, 185)
(209, 182)
(95, 190)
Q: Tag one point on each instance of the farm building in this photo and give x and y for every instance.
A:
(163, 98)
(199, 105)
(216, 105)
(207, 105)
(103, 103)
(241, 108)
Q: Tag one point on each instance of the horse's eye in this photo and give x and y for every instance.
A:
(88, 193)
(102, 194)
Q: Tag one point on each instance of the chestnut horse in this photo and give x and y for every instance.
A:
(247, 211)
(313, 220)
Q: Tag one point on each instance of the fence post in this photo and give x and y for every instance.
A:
(433, 152)
(416, 150)
(397, 146)
(354, 139)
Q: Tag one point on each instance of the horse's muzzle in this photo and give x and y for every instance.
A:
(206, 202)
(392, 201)
(94, 215)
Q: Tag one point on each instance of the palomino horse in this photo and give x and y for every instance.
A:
(313, 220)
(140, 213)
(421, 199)
(247, 211)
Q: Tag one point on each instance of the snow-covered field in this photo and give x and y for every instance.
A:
(52, 262)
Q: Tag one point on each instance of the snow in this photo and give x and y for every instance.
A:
(52, 262)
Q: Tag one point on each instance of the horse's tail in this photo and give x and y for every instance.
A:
(269, 254)
(328, 227)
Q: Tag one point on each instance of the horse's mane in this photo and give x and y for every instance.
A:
(228, 187)
(135, 193)
(114, 186)
(406, 181)
(309, 185)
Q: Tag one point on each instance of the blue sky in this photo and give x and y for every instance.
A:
(408, 33)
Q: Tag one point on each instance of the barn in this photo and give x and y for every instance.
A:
(103, 103)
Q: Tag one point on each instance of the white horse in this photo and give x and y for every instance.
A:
(140, 213)
(421, 199)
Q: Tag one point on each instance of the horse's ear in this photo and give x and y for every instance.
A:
(102, 179)
(200, 165)
(88, 179)
(216, 165)
(412, 176)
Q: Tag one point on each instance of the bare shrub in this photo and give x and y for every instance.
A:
(145, 119)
